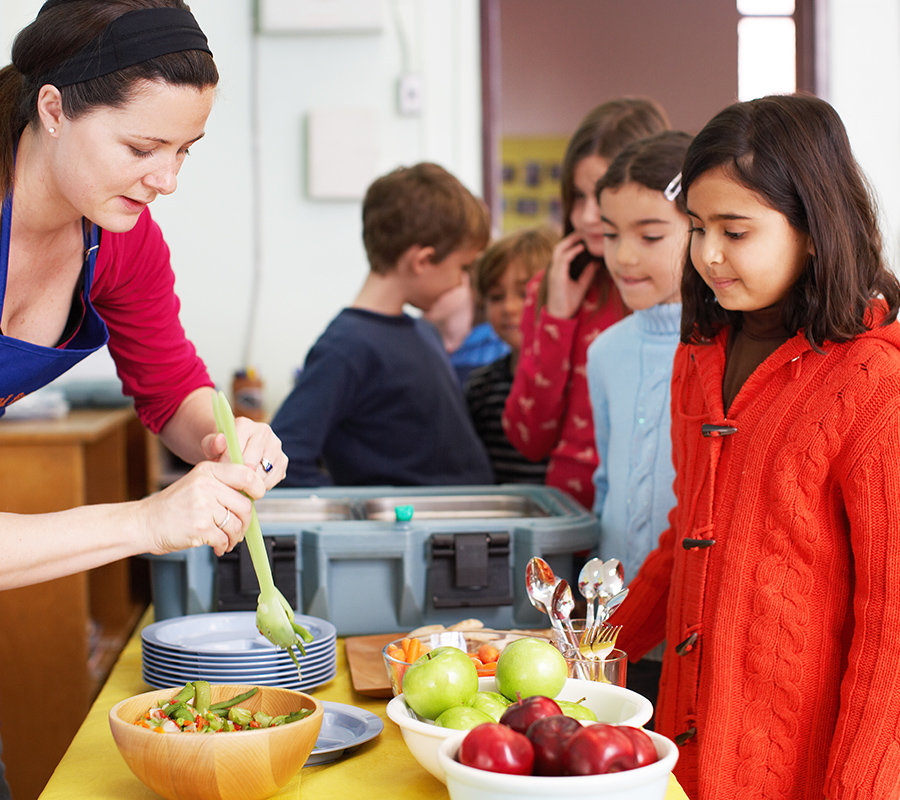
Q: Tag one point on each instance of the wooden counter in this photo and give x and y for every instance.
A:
(59, 639)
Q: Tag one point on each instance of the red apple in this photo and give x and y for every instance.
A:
(549, 737)
(497, 748)
(521, 714)
(597, 749)
(644, 749)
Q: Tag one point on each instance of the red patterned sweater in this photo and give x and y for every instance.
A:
(790, 672)
(548, 410)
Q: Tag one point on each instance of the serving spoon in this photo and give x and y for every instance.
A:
(540, 583)
(561, 605)
(612, 579)
(589, 586)
(274, 615)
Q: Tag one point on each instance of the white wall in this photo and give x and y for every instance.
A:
(863, 84)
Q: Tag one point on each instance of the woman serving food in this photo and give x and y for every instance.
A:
(98, 110)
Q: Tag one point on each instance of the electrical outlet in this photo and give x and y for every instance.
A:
(409, 94)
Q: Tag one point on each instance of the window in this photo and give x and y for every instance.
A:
(767, 48)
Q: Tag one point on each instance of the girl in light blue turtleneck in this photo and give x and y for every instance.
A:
(629, 366)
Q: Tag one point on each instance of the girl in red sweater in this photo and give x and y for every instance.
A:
(548, 411)
(777, 586)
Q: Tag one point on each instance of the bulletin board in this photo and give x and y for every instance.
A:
(530, 171)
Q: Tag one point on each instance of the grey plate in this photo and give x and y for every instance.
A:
(344, 728)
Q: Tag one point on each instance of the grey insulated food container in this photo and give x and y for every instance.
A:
(375, 559)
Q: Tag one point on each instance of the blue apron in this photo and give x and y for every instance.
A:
(26, 367)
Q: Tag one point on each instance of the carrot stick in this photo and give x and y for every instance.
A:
(414, 650)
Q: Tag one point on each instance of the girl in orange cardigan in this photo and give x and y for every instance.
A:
(777, 586)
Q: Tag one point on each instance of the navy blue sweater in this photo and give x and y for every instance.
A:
(378, 404)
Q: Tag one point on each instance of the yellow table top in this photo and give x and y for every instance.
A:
(381, 768)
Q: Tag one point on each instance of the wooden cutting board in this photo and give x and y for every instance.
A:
(367, 671)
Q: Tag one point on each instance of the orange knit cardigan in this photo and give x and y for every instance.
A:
(777, 585)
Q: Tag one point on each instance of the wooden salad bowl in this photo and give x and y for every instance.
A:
(239, 765)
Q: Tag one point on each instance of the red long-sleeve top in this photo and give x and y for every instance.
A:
(134, 293)
(777, 585)
(548, 410)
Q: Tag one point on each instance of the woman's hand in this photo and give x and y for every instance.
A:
(565, 296)
(260, 446)
(210, 505)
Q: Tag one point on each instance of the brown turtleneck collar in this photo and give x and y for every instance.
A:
(762, 332)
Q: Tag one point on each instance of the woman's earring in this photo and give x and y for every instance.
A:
(51, 130)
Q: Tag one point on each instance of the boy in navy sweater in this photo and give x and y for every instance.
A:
(377, 402)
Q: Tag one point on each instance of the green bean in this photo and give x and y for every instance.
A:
(183, 696)
(202, 694)
(181, 711)
(225, 704)
(294, 716)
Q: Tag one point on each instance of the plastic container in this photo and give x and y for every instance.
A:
(368, 568)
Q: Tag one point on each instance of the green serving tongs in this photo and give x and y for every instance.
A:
(274, 615)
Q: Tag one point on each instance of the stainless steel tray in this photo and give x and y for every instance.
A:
(308, 509)
(461, 506)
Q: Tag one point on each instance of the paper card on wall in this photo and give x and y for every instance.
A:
(342, 152)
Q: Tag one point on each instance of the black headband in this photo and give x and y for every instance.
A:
(128, 40)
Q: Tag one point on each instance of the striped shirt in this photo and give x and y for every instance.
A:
(486, 390)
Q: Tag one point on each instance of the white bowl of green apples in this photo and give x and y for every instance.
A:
(442, 695)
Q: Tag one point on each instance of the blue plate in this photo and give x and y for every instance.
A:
(168, 660)
(227, 634)
(344, 728)
(159, 679)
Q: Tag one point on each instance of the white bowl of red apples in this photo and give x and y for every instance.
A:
(444, 696)
(556, 758)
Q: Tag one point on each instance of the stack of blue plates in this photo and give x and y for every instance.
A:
(226, 647)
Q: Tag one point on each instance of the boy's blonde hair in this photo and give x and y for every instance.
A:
(534, 246)
(420, 205)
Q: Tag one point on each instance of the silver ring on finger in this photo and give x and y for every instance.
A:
(266, 465)
(224, 522)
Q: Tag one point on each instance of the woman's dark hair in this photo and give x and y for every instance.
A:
(56, 35)
(654, 162)
(604, 132)
(793, 152)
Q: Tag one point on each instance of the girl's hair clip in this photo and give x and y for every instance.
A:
(673, 189)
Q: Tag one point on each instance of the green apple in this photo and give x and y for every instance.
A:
(462, 718)
(441, 678)
(576, 710)
(491, 703)
(530, 666)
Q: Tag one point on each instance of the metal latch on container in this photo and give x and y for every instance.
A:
(469, 569)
